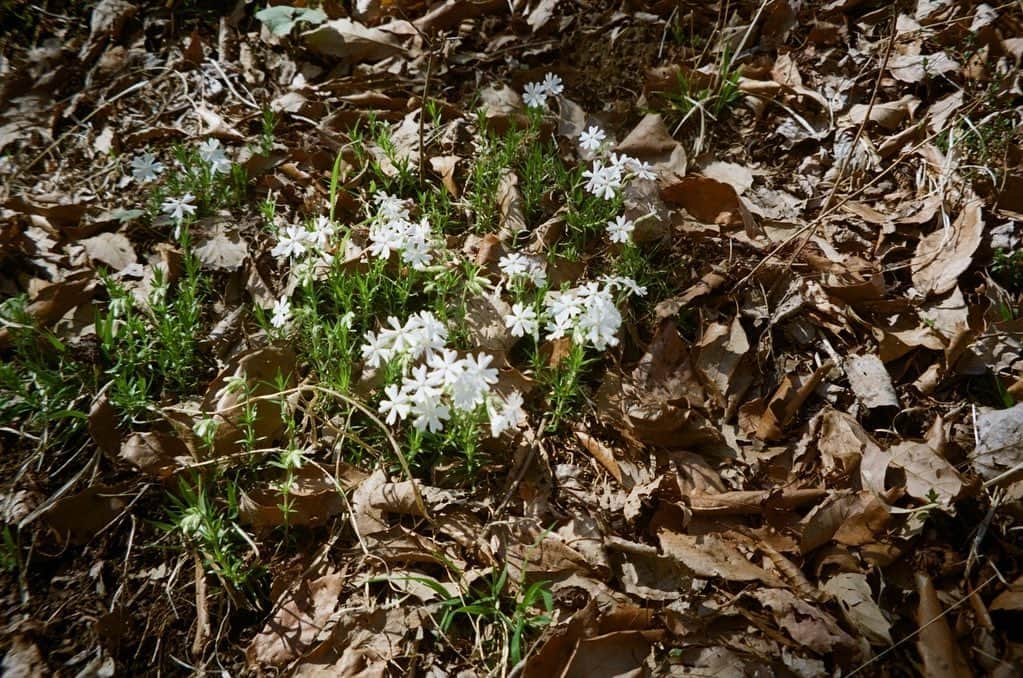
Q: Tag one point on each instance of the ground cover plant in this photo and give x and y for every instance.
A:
(511, 338)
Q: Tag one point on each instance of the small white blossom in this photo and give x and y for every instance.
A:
(176, 208)
(603, 181)
(592, 138)
(397, 406)
(291, 243)
(213, 155)
(510, 415)
(642, 169)
(535, 95)
(620, 230)
(282, 313)
(377, 349)
(446, 365)
(522, 321)
(145, 167)
(552, 84)
(429, 414)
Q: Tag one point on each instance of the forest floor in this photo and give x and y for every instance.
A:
(511, 337)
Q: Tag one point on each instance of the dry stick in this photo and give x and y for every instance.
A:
(921, 628)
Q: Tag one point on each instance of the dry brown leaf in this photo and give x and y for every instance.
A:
(853, 593)
(445, 165)
(707, 200)
(250, 375)
(927, 472)
(806, 624)
(484, 323)
(223, 250)
(80, 516)
(719, 357)
(710, 555)
(870, 381)
(938, 647)
(651, 142)
(737, 176)
(999, 446)
(943, 255)
(914, 68)
(352, 41)
(888, 115)
(49, 301)
(155, 453)
(298, 619)
(509, 203)
(852, 519)
(601, 452)
(621, 654)
(112, 249)
(312, 499)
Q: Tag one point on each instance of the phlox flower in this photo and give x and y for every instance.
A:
(430, 414)
(592, 138)
(377, 349)
(535, 95)
(642, 169)
(145, 167)
(603, 180)
(552, 84)
(620, 230)
(291, 242)
(471, 386)
(446, 365)
(281, 313)
(522, 321)
(397, 405)
(213, 155)
(177, 208)
(509, 415)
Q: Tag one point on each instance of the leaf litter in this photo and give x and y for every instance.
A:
(716, 310)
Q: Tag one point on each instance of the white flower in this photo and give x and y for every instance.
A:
(513, 264)
(145, 167)
(537, 274)
(620, 230)
(470, 387)
(176, 208)
(377, 349)
(592, 138)
(522, 321)
(390, 207)
(511, 415)
(424, 334)
(446, 365)
(423, 383)
(552, 84)
(429, 414)
(397, 405)
(624, 282)
(282, 313)
(291, 243)
(620, 162)
(603, 181)
(642, 169)
(323, 230)
(535, 95)
(213, 155)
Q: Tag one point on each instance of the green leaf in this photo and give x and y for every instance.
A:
(281, 19)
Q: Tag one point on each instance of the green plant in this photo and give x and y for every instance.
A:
(211, 527)
(1007, 268)
(508, 621)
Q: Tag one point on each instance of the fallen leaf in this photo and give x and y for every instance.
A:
(299, 617)
(848, 518)
(942, 256)
(601, 453)
(914, 68)
(155, 453)
(999, 441)
(805, 623)
(709, 556)
(707, 200)
(927, 472)
(870, 381)
(853, 593)
(352, 41)
(938, 647)
(224, 250)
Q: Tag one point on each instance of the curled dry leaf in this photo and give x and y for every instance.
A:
(938, 647)
(848, 518)
(853, 593)
(601, 452)
(352, 41)
(806, 624)
(155, 453)
(707, 200)
(928, 475)
(942, 256)
(223, 250)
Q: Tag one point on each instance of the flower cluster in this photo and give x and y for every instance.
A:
(535, 94)
(393, 230)
(297, 241)
(586, 313)
(435, 382)
(517, 266)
